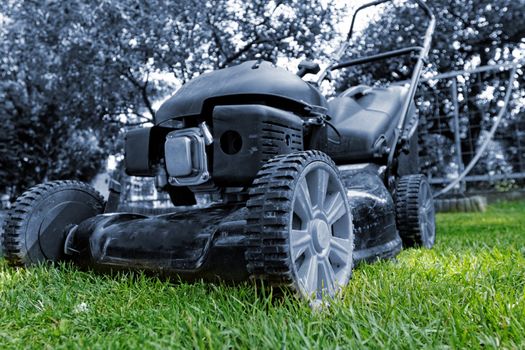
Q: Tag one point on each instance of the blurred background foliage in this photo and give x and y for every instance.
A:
(74, 74)
(468, 33)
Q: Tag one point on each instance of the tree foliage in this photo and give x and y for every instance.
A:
(481, 31)
(73, 73)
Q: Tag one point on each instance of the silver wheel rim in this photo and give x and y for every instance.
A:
(321, 232)
(427, 224)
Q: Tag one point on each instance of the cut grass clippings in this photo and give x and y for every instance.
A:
(468, 292)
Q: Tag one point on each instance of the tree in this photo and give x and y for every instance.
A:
(74, 73)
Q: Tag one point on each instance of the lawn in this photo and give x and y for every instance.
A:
(468, 292)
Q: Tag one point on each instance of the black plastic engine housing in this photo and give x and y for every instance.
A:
(246, 136)
(143, 147)
(244, 83)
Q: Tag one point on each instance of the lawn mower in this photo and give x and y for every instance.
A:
(298, 189)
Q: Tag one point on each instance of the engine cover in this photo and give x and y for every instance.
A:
(243, 83)
(246, 136)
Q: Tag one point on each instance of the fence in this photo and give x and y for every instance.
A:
(472, 129)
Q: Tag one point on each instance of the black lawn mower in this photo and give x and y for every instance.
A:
(299, 188)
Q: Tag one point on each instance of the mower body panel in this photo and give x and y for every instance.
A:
(210, 243)
(192, 244)
(247, 136)
(365, 121)
(373, 212)
(249, 82)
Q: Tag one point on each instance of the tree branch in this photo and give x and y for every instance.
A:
(248, 46)
(135, 124)
(215, 36)
(143, 89)
(463, 21)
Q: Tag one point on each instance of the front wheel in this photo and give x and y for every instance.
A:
(36, 226)
(301, 225)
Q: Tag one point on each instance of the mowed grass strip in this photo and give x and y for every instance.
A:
(467, 292)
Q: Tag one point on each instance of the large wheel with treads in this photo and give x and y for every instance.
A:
(300, 225)
(36, 226)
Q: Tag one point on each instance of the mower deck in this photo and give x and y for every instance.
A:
(210, 243)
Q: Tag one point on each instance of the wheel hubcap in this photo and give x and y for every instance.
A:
(321, 236)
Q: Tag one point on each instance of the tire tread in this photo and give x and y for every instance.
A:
(270, 200)
(407, 209)
(17, 217)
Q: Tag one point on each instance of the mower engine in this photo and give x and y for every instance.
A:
(225, 151)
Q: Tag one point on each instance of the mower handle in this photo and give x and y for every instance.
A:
(378, 57)
(423, 53)
(420, 3)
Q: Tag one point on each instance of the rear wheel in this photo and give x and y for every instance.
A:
(301, 225)
(36, 225)
(415, 214)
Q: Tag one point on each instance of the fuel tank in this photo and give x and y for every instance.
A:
(209, 243)
(248, 82)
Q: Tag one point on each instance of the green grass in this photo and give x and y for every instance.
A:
(468, 292)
